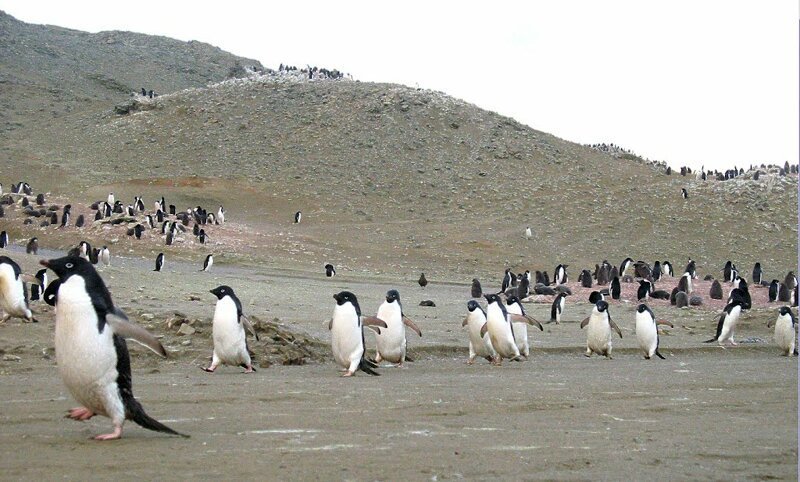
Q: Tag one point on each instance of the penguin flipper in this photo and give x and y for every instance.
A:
(585, 322)
(665, 322)
(770, 323)
(407, 321)
(330, 324)
(364, 367)
(373, 321)
(614, 327)
(464, 323)
(128, 330)
(249, 326)
(660, 355)
(484, 329)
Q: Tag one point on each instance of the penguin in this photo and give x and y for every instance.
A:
(773, 291)
(506, 284)
(84, 249)
(791, 280)
(666, 267)
(560, 276)
(585, 278)
(139, 204)
(595, 296)
(208, 263)
(195, 229)
(159, 216)
(691, 268)
(202, 236)
(130, 210)
(330, 271)
(785, 331)
(757, 274)
(33, 246)
(623, 267)
(500, 331)
(227, 331)
(137, 231)
(684, 193)
(221, 215)
(35, 289)
(41, 278)
(784, 294)
(642, 270)
(519, 325)
(598, 334)
(91, 351)
(347, 334)
(297, 217)
(716, 291)
(645, 287)
(557, 309)
(105, 256)
(423, 282)
(391, 341)
(523, 288)
(65, 217)
(13, 300)
(170, 239)
(657, 271)
(742, 293)
(480, 344)
(476, 291)
(647, 331)
(3, 239)
(159, 262)
(727, 323)
(727, 271)
(528, 233)
(616, 289)
(110, 200)
(685, 283)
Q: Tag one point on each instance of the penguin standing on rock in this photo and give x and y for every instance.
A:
(347, 334)
(684, 193)
(647, 331)
(479, 342)
(391, 341)
(598, 334)
(13, 301)
(785, 331)
(230, 344)
(91, 351)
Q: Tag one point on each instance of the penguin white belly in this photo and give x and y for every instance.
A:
(502, 337)
(228, 334)
(87, 359)
(598, 336)
(12, 297)
(391, 341)
(785, 335)
(646, 335)
(728, 327)
(347, 340)
(479, 346)
(521, 337)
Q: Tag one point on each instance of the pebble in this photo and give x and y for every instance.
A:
(11, 358)
(186, 329)
(147, 316)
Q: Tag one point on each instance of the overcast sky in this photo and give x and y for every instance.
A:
(686, 81)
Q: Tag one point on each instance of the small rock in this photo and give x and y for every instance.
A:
(147, 316)
(11, 358)
(186, 329)
(194, 298)
(186, 342)
(427, 303)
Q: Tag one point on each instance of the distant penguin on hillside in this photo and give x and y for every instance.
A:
(159, 262)
(476, 291)
(666, 267)
(684, 193)
(423, 282)
(716, 291)
(757, 274)
(623, 267)
(33, 246)
(297, 217)
(208, 263)
(221, 215)
(616, 289)
(657, 271)
(560, 275)
(330, 271)
(528, 233)
(506, 284)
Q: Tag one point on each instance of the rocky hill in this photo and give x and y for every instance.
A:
(391, 179)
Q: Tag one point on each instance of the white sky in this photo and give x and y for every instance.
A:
(694, 82)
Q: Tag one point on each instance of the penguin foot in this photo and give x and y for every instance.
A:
(117, 433)
(733, 343)
(80, 413)
(209, 369)
(470, 361)
(249, 369)
(646, 357)
(348, 373)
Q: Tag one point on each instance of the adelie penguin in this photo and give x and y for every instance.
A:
(623, 267)
(480, 345)
(498, 326)
(519, 325)
(644, 291)
(557, 308)
(423, 282)
(666, 267)
(647, 331)
(13, 300)
(560, 275)
(330, 271)
(476, 291)
(391, 341)
(757, 274)
(773, 291)
(159, 262)
(91, 351)
(506, 283)
(616, 289)
(785, 331)
(105, 256)
(3, 239)
(347, 334)
(727, 323)
(297, 217)
(228, 332)
(598, 334)
(208, 263)
(684, 193)
(33, 246)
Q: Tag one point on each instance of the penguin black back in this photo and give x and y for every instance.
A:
(616, 290)
(476, 291)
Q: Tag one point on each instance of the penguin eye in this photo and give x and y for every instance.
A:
(69, 265)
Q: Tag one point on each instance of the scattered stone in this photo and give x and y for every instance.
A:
(10, 357)
(194, 298)
(427, 303)
(186, 343)
(186, 329)
(147, 316)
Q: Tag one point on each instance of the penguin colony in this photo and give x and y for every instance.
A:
(91, 331)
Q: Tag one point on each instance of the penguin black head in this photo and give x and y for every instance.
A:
(68, 266)
(512, 299)
(392, 296)
(472, 305)
(344, 297)
(492, 298)
(643, 307)
(595, 297)
(222, 291)
(601, 306)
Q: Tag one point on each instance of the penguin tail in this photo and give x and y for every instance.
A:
(711, 340)
(409, 359)
(369, 362)
(660, 355)
(137, 414)
(364, 367)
